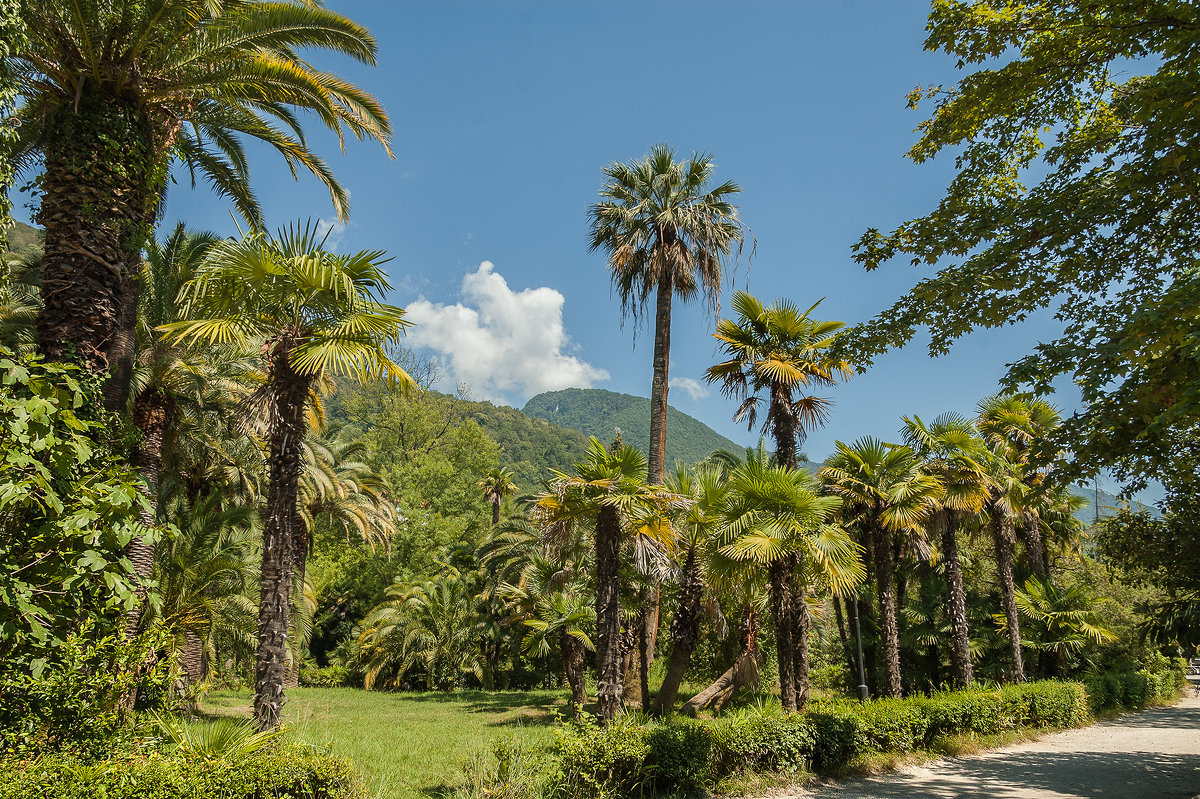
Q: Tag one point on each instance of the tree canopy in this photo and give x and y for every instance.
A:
(1077, 147)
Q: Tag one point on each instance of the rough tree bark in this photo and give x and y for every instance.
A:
(610, 679)
(685, 631)
(780, 583)
(289, 392)
(744, 670)
(573, 659)
(888, 630)
(800, 645)
(1035, 545)
(1004, 538)
(946, 523)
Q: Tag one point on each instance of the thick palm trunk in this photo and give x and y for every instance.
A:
(192, 660)
(1035, 546)
(960, 633)
(100, 186)
(800, 644)
(289, 392)
(780, 579)
(744, 670)
(495, 510)
(1004, 538)
(784, 426)
(300, 547)
(152, 414)
(573, 658)
(888, 630)
(685, 631)
(609, 655)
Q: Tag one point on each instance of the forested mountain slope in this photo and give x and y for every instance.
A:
(599, 413)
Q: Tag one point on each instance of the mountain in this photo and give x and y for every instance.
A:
(1109, 505)
(23, 239)
(528, 445)
(599, 413)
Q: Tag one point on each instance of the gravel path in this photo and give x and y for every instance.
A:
(1154, 754)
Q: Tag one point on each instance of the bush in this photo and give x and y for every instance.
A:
(760, 740)
(604, 761)
(282, 773)
(1048, 704)
(1159, 680)
(328, 677)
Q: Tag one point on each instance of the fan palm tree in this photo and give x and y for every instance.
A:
(667, 232)
(1012, 427)
(608, 490)
(775, 515)
(496, 485)
(696, 535)
(886, 494)
(1060, 622)
(951, 450)
(777, 350)
(312, 314)
(114, 92)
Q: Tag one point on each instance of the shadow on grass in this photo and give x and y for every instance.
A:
(540, 707)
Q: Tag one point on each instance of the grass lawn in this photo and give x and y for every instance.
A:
(407, 745)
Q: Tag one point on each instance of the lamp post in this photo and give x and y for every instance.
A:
(864, 693)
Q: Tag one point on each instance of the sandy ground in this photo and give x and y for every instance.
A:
(1153, 754)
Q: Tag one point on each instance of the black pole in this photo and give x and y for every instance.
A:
(863, 692)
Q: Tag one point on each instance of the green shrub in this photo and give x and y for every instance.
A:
(1160, 680)
(328, 677)
(284, 773)
(1047, 704)
(969, 712)
(603, 761)
(761, 741)
(678, 755)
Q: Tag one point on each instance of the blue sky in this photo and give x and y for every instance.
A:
(506, 112)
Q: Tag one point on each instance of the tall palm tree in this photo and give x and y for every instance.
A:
(951, 449)
(496, 485)
(608, 490)
(777, 514)
(114, 92)
(780, 351)
(312, 314)
(777, 350)
(667, 232)
(1011, 427)
(887, 494)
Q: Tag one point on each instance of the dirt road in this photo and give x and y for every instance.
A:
(1154, 754)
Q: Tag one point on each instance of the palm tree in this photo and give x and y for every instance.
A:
(312, 314)
(667, 233)
(696, 533)
(776, 515)
(430, 625)
(114, 93)
(496, 485)
(778, 350)
(609, 490)
(951, 450)
(888, 494)
(1061, 622)
(1011, 427)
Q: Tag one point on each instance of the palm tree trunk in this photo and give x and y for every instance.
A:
(800, 645)
(610, 680)
(300, 546)
(960, 634)
(495, 509)
(784, 426)
(1035, 546)
(780, 578)
(573, 657)
(685, 631)
(193, 658)
(289, 392)
(888, 630)
(100, 183)
(744, 670)
(152, 415)
(1004, 537)
(656, 456)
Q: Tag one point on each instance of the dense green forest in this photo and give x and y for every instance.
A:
(600, 413)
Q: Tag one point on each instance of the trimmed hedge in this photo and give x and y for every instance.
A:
(283, 773)
(686, 755)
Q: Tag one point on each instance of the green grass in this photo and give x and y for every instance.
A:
(407, 745)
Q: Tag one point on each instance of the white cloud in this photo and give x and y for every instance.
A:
(503, 343)
(695, 389)
(333, 229)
